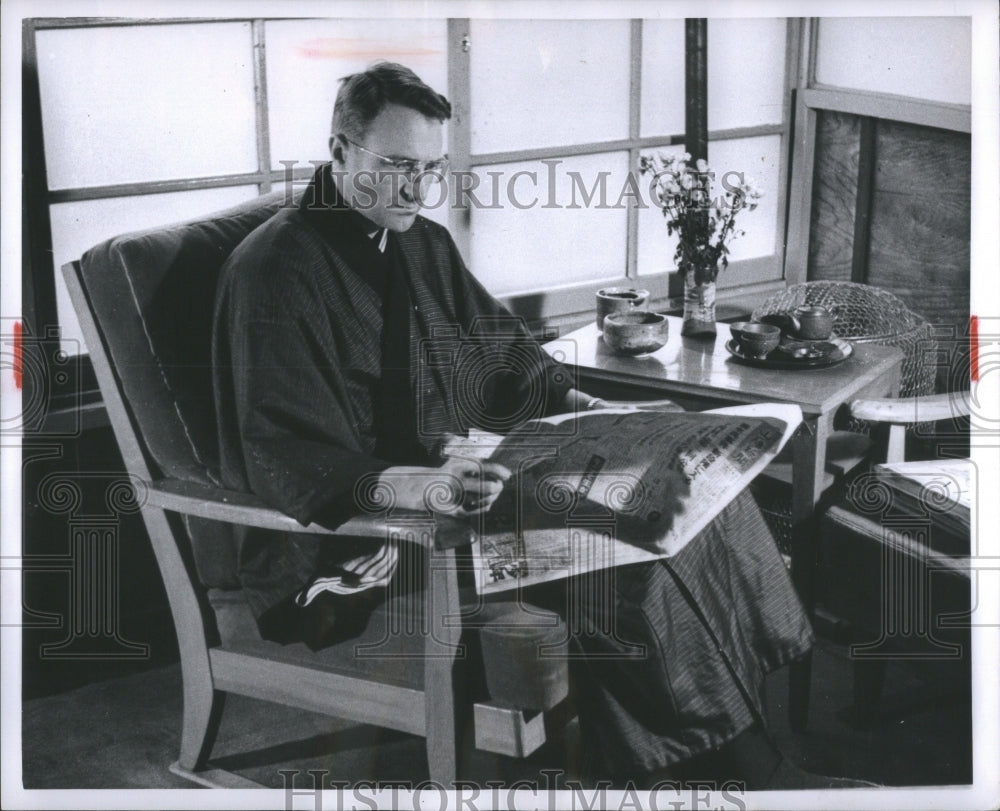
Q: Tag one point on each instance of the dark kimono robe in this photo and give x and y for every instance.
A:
(297, 364)
(674, 653)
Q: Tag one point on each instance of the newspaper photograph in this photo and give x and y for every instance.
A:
(262, 264)
(611, 492)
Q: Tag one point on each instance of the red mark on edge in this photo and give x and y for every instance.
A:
(361, 49)
(18, 369)
(974, 348)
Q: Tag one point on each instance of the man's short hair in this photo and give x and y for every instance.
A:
(362, 96)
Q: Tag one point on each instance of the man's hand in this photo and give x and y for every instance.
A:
(459, 487)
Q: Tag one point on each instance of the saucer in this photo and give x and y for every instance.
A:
(819, 354)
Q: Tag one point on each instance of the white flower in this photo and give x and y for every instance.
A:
(700, 165)
(750, 189)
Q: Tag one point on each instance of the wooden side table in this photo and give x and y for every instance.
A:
(701, 374)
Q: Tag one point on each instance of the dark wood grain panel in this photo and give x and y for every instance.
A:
(921, 219)
(835, 186)
(921, 228)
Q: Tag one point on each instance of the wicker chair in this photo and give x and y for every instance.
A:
(868, 315)
(862, 314)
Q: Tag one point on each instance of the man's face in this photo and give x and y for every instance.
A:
(386, 196)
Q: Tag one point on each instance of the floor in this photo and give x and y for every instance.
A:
(123, 733)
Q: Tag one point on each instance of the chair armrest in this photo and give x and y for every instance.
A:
(232, 507)
(928, 408)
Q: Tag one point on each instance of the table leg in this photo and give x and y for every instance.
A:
(808, 466)
(809, 462)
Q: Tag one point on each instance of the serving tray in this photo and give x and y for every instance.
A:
(833, 351)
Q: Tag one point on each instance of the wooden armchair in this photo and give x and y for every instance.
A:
(881, 548)
(145, 304)
(862, 314)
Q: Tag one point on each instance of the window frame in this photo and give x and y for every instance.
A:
(77, 402)
(812, 97)
(556, 306)
(566, 305)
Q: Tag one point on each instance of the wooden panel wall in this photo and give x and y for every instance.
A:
(835, 190)
(920, 220)
(892, 207)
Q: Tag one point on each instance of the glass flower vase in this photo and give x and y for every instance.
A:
(699, 306)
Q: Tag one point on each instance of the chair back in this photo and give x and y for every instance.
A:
(146, 307)
(152, 297)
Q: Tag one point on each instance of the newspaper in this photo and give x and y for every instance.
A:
(605, 488)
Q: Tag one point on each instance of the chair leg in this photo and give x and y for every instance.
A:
(442, 752)
(202, 716)
(444, 717)
(799, 680)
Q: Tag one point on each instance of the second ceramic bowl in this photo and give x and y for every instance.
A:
(636, 332)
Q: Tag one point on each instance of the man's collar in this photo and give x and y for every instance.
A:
(326, 207)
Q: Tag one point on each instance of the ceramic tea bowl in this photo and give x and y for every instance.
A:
(636, 332)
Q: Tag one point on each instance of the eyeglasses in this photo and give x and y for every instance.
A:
(431, 171)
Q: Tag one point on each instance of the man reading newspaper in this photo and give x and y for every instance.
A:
(320, 383)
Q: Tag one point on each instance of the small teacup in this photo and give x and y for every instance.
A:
(619, 300)
(757, 340)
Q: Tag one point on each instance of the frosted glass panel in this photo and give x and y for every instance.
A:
(928, 58)
(138, 103)
(77, 227)
(307, 58)
(520, 244)
(746, 72)
(758, 159)
(655, 249)
(662, 105)
(538, 83)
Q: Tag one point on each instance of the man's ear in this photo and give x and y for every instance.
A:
(337, 150)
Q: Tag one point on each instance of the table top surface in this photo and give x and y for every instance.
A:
(703, 366)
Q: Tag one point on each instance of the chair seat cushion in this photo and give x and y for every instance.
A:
(523, 648)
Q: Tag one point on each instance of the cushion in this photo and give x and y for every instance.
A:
(153, 294)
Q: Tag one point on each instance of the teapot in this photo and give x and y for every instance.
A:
(810, 322)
